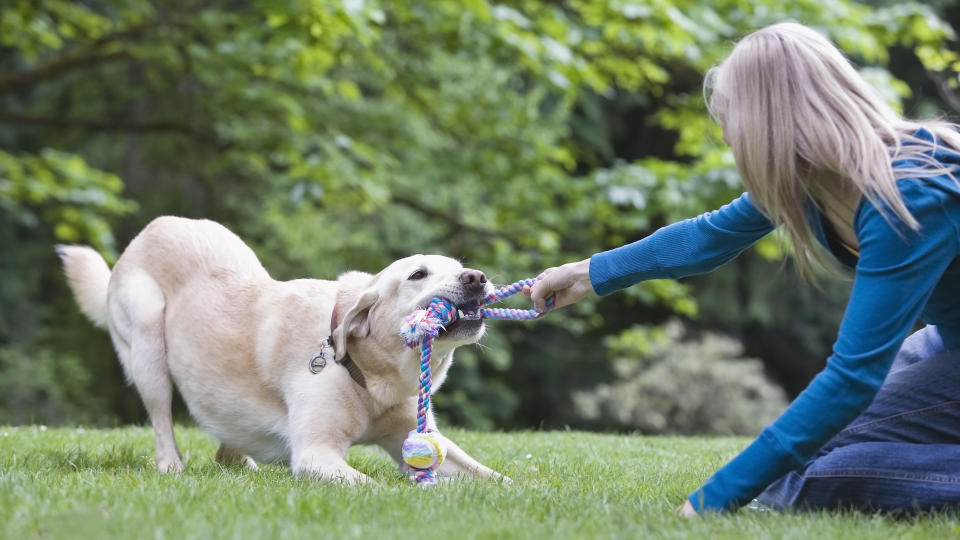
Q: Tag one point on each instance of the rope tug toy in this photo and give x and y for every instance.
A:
(424, 450)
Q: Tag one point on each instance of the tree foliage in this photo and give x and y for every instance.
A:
(341, 135)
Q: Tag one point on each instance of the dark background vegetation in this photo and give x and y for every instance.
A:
(342, 135)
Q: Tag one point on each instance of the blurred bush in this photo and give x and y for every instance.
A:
(44, 387)
(672, 381)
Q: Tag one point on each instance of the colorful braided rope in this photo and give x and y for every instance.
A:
(423, 450)
(507, 313)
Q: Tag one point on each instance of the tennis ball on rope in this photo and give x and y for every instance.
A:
(422, 451)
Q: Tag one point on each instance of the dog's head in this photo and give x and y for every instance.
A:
(375, 306)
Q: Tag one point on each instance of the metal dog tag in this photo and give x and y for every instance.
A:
(319, 360)
(317, 363)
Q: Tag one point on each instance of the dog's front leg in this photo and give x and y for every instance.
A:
(324, 419)
(460, 462)
(392, 427)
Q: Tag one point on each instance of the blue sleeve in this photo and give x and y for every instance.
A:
(895, 276)
(685, 248)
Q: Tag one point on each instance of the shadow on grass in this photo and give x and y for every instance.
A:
(76, 459)
(138, 459)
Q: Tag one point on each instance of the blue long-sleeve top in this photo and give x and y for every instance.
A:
(900, 276)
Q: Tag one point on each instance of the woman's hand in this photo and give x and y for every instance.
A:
(686, 510)
(565, 284)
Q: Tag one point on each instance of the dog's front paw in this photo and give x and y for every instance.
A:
(356, 478)
(343, 474)
(167, 465)
(500, 478)
(346, 478)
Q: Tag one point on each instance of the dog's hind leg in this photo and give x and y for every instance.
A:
(139, 325)
(228, 456)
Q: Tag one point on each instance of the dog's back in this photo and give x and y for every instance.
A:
(171, 250)
(174, 250)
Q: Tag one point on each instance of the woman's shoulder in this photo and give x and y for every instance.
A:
(930, 200)
(927, 167)
(923, 149)
(942, 187)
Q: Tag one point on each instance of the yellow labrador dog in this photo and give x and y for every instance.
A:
(188, 301)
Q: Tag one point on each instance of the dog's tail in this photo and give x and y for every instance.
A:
(88, 276)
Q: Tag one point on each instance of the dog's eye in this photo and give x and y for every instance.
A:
(419, 274)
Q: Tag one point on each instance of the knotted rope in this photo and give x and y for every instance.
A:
(424, 450)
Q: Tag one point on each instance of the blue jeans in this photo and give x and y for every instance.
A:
(902, 454)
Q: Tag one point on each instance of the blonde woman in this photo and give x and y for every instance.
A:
(847, 179)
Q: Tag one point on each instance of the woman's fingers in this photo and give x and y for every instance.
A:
(686, 510)
(540, 291)
(565, 284)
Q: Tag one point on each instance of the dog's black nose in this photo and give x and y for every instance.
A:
(473, 280)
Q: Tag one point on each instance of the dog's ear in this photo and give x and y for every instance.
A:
(357, 292)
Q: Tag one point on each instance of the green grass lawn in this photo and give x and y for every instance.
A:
(93, 483)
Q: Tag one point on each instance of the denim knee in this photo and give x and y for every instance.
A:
(892, 477)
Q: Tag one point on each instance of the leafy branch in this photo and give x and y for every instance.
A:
(946, 93)
(202, 135)
(452, 221)
(96, 52)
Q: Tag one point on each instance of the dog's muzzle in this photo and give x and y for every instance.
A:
(468, 322)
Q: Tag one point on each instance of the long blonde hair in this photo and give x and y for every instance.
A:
(801, 121)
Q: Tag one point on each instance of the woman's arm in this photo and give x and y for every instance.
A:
(693, 246)
(688, 247)
(896, 273)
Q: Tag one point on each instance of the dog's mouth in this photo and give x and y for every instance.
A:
(468, 323)
(470, 310)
